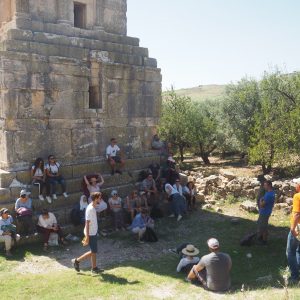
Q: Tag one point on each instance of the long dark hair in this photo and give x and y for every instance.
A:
(36, 164)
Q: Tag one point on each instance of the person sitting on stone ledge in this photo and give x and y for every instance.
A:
(148, 186)
(47, 224)
(114, 157)
(178, 203)
(39, 178)
(115, 204)
(213, 270)
(7, 231)
(93, 184)
(131, 204)
(54, 176)
(189, 192)
(178, 187)
(156, 143)
(24, 212)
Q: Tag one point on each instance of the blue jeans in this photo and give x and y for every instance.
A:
(178, 204)
(52, 181)
(293, 255)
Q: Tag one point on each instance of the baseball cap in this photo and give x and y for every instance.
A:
(213, 243)
(24, 192)
(114, 193)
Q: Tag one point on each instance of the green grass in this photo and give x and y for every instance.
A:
(156, 278)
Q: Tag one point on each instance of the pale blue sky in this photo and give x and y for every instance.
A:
(217, 41)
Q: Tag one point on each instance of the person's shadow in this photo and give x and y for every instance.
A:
(115, 279)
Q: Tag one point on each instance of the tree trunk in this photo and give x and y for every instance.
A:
(266, 168)
(205, 158)
(181, 148)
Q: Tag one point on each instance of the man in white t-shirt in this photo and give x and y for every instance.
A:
(90, 234)
(114, 157)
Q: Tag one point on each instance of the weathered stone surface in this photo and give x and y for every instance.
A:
(249, 206)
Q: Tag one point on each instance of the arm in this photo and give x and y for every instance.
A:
(295, 221)
(179, 266)
(86, 180)
(87, 233)
(101, 179)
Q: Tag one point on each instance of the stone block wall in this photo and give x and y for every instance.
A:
(67, 90)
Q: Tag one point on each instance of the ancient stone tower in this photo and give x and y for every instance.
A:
(70, 78)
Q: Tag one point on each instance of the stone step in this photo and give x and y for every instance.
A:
(62, 204)
(69, 51)
(77, 170)
(82, 42)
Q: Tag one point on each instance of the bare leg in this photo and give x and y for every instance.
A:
(93, 260)
(84, 256)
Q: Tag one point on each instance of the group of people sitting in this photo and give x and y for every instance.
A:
(212, 271)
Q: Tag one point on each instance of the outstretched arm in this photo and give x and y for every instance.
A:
(86, 180)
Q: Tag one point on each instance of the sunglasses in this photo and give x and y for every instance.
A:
(115, 194)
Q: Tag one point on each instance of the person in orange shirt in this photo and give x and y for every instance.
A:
(293, 243)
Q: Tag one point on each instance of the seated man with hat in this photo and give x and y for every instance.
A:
(189, 258)
(213, 270)
(7, 230)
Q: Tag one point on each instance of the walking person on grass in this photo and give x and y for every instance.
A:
(90, 235)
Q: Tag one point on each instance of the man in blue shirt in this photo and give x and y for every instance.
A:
(266, 205)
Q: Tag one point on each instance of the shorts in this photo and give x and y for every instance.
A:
(93, 243)
(262, 223)
(117, 159)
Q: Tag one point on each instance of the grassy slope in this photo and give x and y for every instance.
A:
(156, 278)
(204, 92)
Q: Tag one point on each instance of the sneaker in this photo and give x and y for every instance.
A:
(75, 264)
(172, 216)
(188, 280)
(41, 197)
(119, 172)
(65, 195)
(97, 270)
(173, 251)
(49, 199)
(54, 197)
(179, 217)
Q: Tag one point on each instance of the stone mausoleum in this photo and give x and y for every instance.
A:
(70, 79)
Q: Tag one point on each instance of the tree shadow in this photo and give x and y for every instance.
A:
(196, 228)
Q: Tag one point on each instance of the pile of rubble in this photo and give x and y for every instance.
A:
(221, 186)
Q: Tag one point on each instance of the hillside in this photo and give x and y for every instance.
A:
(203, 92)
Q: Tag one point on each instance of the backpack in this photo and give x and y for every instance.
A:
(150, 235)
(248, 239)
(75, 215)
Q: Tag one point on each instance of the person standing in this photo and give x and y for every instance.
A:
(266, 205)
(90, 235)
(261, 192)
(293, 243)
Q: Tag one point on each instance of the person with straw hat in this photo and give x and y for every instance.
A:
(213, 270)
(189, 259)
